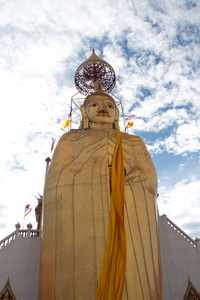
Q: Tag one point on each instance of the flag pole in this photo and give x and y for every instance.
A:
(23, 222)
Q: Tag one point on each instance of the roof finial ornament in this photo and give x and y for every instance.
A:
(97, 87)
(92, 69)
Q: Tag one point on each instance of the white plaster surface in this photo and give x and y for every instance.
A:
(20, 261)
(180, 259)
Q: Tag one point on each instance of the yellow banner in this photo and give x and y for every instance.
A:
(130, 124)
(66, 123)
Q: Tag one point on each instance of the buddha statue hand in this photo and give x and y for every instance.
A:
(134, 173)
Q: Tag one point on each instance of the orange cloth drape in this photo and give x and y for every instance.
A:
(111, 281)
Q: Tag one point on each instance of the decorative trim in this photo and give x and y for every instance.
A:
(7, 293)
(19, 233)
(179, 230)
(191, 293)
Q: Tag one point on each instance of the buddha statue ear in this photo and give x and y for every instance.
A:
(85, 117)
(116, 124)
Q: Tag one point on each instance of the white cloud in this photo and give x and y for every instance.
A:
(181, 203)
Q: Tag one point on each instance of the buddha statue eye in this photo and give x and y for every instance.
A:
(110, 106)
(93, 104)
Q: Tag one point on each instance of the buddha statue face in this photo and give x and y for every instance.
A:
(100, 109)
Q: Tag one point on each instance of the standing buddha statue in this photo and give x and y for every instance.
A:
(79, 210)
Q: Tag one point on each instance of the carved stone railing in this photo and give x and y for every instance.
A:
(19, 233)
(179, 230)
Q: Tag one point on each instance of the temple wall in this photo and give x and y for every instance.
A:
(180, 259)
(20, 261)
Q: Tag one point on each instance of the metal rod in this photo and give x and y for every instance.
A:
(122, 110)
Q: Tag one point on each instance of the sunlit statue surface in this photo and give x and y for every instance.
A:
(77, 203)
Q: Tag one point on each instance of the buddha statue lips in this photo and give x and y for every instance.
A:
(103, 113)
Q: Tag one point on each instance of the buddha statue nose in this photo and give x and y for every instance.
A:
(102, 108)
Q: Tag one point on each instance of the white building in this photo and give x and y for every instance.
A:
(20, 263)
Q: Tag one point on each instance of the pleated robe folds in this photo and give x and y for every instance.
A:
(76, 217)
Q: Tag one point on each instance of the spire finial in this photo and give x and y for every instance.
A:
(97, 87)
(92, 69)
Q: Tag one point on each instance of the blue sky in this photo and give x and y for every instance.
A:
(153, 47)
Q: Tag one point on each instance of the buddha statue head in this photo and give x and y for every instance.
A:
(99, 110)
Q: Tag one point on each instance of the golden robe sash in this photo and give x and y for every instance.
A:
(111, 281)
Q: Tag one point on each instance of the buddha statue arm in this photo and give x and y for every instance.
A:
(62, 156)
(143, 168)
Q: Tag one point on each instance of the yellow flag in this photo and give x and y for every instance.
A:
(130, 125)
(111, 281)
(66, 123)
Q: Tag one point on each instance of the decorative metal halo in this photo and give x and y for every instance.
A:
(91, 70)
